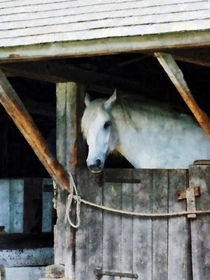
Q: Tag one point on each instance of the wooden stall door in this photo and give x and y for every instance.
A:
(199, 175)
(118, 247)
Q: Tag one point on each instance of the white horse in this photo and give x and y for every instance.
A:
(147, 135)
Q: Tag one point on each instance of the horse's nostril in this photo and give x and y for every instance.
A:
(98, 162)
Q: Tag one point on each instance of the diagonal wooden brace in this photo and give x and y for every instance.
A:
(189, 194)
(17, 111)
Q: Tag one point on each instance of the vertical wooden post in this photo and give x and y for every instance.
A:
(69, 102)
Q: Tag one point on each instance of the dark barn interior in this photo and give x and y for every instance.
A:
(132, 73)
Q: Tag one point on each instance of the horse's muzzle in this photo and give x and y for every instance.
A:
(97, 167)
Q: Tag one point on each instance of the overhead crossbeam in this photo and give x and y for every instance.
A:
(17, 111)
(176, 76)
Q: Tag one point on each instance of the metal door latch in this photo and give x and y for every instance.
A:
(99, 273)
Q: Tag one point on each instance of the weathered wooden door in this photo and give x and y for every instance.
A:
(111, 246)
(199, 175)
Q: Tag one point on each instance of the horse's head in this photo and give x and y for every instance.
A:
(97, 129)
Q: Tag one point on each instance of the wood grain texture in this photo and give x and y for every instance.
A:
(59, 229)
(200, 227)
(47, 3)
(160, 226)
(69, 151)
(142, 228)
(104, 46)
(89, 236)
(130, 16)
(112, 232)
(150, 248)
(179, 255)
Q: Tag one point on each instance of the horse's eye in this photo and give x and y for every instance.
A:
(107, 124)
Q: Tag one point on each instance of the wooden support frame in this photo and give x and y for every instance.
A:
(17, 111)
(70, 154)
(176, 76)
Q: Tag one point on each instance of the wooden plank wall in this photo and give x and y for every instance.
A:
(151, 248)
(199, 175)
(49, 21)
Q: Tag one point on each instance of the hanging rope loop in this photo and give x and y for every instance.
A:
(73, 196)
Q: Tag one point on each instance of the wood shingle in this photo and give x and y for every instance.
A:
(47, 21)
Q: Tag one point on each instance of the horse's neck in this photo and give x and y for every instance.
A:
(125, 132)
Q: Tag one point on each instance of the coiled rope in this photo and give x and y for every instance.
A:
(73, 196)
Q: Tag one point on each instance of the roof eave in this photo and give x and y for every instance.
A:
(106, 46)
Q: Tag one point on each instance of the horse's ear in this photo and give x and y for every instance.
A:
(87, 99)
(110, 102)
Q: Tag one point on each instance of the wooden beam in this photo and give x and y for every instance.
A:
(107, 46)
(17, 111)
(176, 76)
(193, 60)
(60, 71)
(198, 56)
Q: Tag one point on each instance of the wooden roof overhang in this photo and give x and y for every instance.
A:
(167, 42)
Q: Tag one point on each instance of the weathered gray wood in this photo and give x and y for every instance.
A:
(112, 233)
(127, 227)
(59, 230)
(90, 234)
(18, 6)
(200, 227)
(179, 255)
(68, 149)
(66, 135)
(155, 248)
(74, 21)
(159, 198)
(102, 33)
(142, 228)
(70, 20)
(22, 3)
(105, 46)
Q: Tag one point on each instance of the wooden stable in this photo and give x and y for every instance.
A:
(107, 245)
